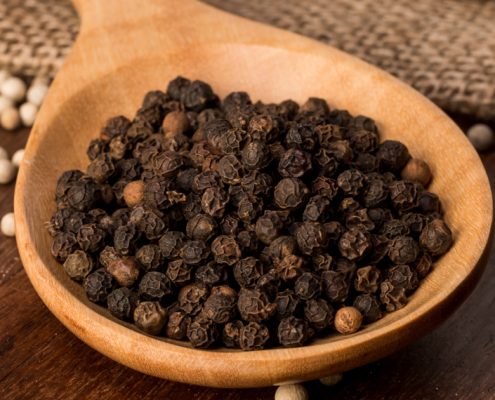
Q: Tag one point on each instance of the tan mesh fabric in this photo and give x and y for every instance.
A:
(444, 48)
(35, 35)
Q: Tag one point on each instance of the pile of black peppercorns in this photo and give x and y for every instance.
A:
(247, 224)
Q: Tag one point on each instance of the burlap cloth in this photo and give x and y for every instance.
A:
(444, 48)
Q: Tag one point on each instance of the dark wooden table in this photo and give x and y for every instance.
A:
(40, 359)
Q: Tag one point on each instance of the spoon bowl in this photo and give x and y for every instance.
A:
(126, 48)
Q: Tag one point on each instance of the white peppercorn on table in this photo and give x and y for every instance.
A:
(126, 48)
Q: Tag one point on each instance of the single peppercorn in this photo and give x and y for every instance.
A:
(220, 306)
(133, 193)
(290, 193)
(348, 320)
(369, 307)
(201, 227)
(293, 332)
(436, 237)
(192, 297)
(124, 270)
(319, 313)
(392, 155)
(307, 286)
(254, 305)
(417, 170)
(98, 285)
(155, 285)
(121, 303)
(150, 317)
(202, 332)
(149, 257)
(78, 265)
(253, 336)
(392, 297)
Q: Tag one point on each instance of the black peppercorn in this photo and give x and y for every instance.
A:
(436, 237)
(293, 331)
(155, 285)
(98, 285)
(121, 303)
(150, 317)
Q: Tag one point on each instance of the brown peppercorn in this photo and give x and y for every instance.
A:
(175, 122)
(287, 304)
(125, 270)
(194, 252)
(392, 297)
(429, 202)
(403, 276)
(423, 265)
(294, 163)
(335, 286)
(231, 332)
(214, 201)
(417, 170)
(171, 244)
(392, 155)
(369, 306)
(202, 332)
(150, 317)
(307, 286)
(247, 272)
(348, 320)
(192, 297)
(177, 325)
(230, 169)
(121, 303)
(290, 267)
(254, 305)
(354, 244)
(324, 186)
(133, 193)
(253, 336)
(255, 155)
(225, 250)
(311, 237)
(403, 250)
(268, 226)
(290, 193)
(436, 237)
(155, 285)
(220, 306)
(351, 182)
(367, 279)
(319, 313)
(78, 265)
(292, 332)
(179, 272)
(149, 257)
(201, 227)
(404, 194)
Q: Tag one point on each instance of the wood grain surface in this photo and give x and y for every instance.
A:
(40, 359)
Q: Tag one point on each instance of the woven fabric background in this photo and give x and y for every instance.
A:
(444, 48)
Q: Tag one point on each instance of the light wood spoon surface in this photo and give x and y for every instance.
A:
(127, 47)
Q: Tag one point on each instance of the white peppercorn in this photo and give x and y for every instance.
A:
(7, 171)
(7, 225)
(291, 392)
(10, 118)
(481, 136)
(28, 112)
(17, 157)
(37, 93)
(5, 103)
(13, 88)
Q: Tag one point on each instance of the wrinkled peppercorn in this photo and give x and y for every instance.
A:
(122, 302)
(98, 285)
(293, 332)
(259, 222)
(436, 237)
(150, 317)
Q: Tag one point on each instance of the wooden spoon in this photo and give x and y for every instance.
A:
(127, 47)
